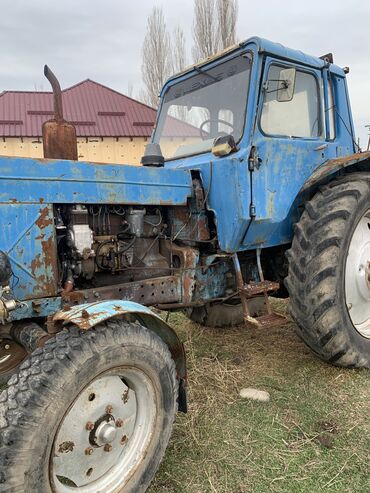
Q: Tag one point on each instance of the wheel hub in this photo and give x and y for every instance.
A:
(106, 432)
(102, 435)
(357, 277)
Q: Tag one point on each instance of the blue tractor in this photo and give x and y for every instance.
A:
(252, 186)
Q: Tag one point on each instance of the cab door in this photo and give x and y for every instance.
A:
(288, 144)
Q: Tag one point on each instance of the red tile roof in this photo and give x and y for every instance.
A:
(95, 110)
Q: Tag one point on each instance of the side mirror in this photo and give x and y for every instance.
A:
(224, 145)
(286, 84)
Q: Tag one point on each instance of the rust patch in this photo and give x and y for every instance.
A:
(66, 447)
(48, 251)
(188, 260)
(49, 259)
(36, 264)
(193, 227)
(73, 296)
(254, 288)
(117, 308)
(85, 314)
(53, 326)
(333, 165)
(44, 220)
(87, 320)
(147, 292)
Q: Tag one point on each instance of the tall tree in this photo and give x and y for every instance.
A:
(214, 26)
(156, 56)
(178, 50)
(227, 14)
(205, 29)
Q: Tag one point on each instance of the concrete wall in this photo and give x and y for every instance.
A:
(120, 150)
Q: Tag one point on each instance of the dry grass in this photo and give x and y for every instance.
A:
(313, 435)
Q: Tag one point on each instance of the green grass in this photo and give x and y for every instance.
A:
(313, 436)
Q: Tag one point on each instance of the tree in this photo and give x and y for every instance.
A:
(130, 89)
(156, 56)
(227, 14)
(214, 26)
(178, 50)
(205, 31)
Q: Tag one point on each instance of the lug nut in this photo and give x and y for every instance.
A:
(89, 451)
(7, 346)
(89, 425)
(109, 409)
(107, 447)
(119, 423)
(123, 439)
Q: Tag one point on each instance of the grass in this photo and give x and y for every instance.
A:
(313, 436)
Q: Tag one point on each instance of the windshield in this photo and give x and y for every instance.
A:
(208, 105)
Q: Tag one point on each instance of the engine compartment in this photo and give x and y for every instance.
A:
(97, 241)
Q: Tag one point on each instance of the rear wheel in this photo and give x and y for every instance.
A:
(329, 272)
(90, 411)
(225, 314)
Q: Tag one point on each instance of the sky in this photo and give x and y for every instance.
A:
(102, 39)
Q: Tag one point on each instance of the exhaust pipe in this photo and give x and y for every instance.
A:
(57, 93)
(58, 136)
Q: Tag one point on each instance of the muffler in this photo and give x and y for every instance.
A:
(58, 136)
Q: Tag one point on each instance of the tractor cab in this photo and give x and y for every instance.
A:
(256, 121)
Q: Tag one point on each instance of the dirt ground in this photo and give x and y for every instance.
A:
(313, 436)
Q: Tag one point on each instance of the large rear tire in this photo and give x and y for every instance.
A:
(90, 411)
(329, 272)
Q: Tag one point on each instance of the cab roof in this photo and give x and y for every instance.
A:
(268, 47)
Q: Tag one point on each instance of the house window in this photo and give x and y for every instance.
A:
(298, 117)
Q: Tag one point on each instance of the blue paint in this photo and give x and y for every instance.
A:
(27, 237)
(30, 187)
(56, 182)
(88, 315)
(37, 307)
(284, 163)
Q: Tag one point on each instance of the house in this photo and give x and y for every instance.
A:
(110, 126)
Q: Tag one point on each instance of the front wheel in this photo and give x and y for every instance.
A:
(90, 411)
(329, 272)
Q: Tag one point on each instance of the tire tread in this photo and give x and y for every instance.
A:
(317, 242)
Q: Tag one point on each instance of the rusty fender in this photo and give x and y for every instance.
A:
(88, 315)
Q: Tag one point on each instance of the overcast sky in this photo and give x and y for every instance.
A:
(102, 39)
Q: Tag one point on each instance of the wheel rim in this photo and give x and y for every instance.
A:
(105, 434)
(357, 277)
(11, 355)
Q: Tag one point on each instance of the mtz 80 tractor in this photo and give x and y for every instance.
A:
(252, 186)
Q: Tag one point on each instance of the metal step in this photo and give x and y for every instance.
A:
(255, 288)
(266, 321)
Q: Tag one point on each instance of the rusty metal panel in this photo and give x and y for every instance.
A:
(333, 165)
(58, 136)
(149, 292)
(89, 315)
(28, 238)
(59, 140)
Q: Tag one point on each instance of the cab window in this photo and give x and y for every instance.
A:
(297, 117)
(331, 110)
